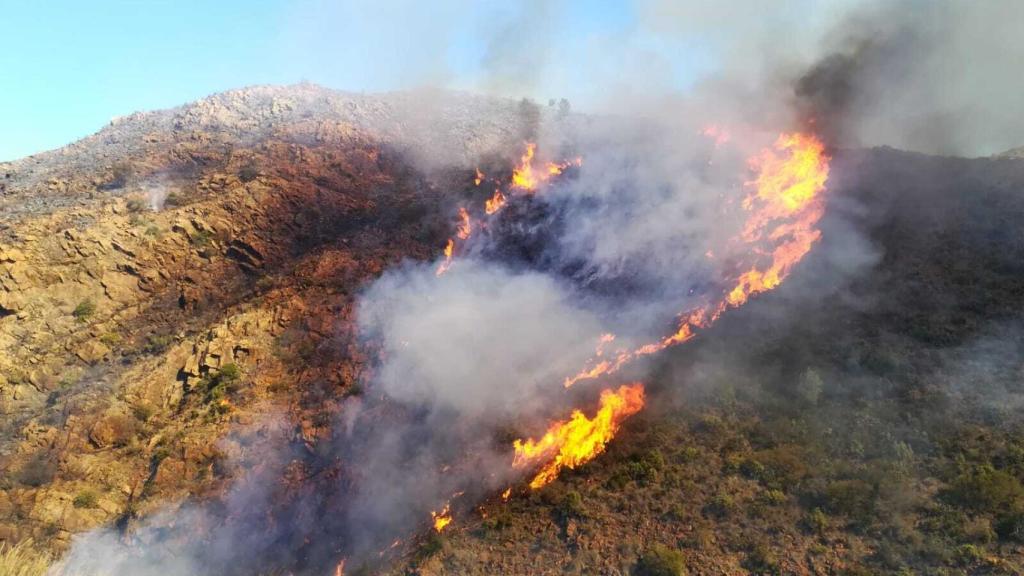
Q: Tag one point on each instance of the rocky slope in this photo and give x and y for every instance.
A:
(167, 279)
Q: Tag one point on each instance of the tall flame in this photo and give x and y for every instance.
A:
(528, 177)
(785, 205)
(579, 439)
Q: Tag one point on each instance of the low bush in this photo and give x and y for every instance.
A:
(85, 309)
(661, 561)
(85, 499)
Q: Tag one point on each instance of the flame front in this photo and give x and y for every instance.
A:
(785, 205)
(528, 177)
(579, 439)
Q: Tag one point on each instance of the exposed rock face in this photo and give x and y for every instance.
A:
(225, 237)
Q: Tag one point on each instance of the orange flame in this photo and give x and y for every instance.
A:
(465, 226)
(579, 439)
(495, 203)
(785, 205)
(449, 248)
(526, 177)
(442, 518)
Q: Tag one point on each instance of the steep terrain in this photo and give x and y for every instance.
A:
(181, 284)
(866, 425)
(179, 272)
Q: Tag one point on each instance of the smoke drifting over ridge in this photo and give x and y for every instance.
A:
(636, 234)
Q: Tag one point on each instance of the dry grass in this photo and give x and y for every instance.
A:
(23, 559)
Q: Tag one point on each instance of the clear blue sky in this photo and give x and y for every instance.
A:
(69, 66)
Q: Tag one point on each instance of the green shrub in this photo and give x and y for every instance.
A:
(110, 339)
(248, 173)
(84, 310)
(219, 384)
(174, 199)
(136, 204)
(816, 521)
(854, 498)
(571, 505)
(1010, 526)
(762, 560)
(85, 499)
(721, 505)
(661, 561)
(156, 344)
(969, 554)
(431, 545)
(986, 489)
(142, 412)
(810, 386)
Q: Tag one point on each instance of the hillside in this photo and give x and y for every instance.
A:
(140, 262)
(178, 299)
(865, 426)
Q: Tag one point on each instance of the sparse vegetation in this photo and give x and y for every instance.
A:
(23, 559)
(217, 385)
(248, 173)
(84, 310)
(137, 204)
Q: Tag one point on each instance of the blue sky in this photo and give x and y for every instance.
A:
(69, 66)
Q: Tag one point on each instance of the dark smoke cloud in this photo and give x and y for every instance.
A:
(931, 76)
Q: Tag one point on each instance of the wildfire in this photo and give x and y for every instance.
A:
(465, 226)
(527, 177)
(785, 205)
(579, 439)
(449, 249)
(442, 518)
(494, 203)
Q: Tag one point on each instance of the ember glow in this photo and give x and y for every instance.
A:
(579, 439)
(442, 518)
(785, 204)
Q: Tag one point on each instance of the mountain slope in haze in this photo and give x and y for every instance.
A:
(181, 272)
(179, 284)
